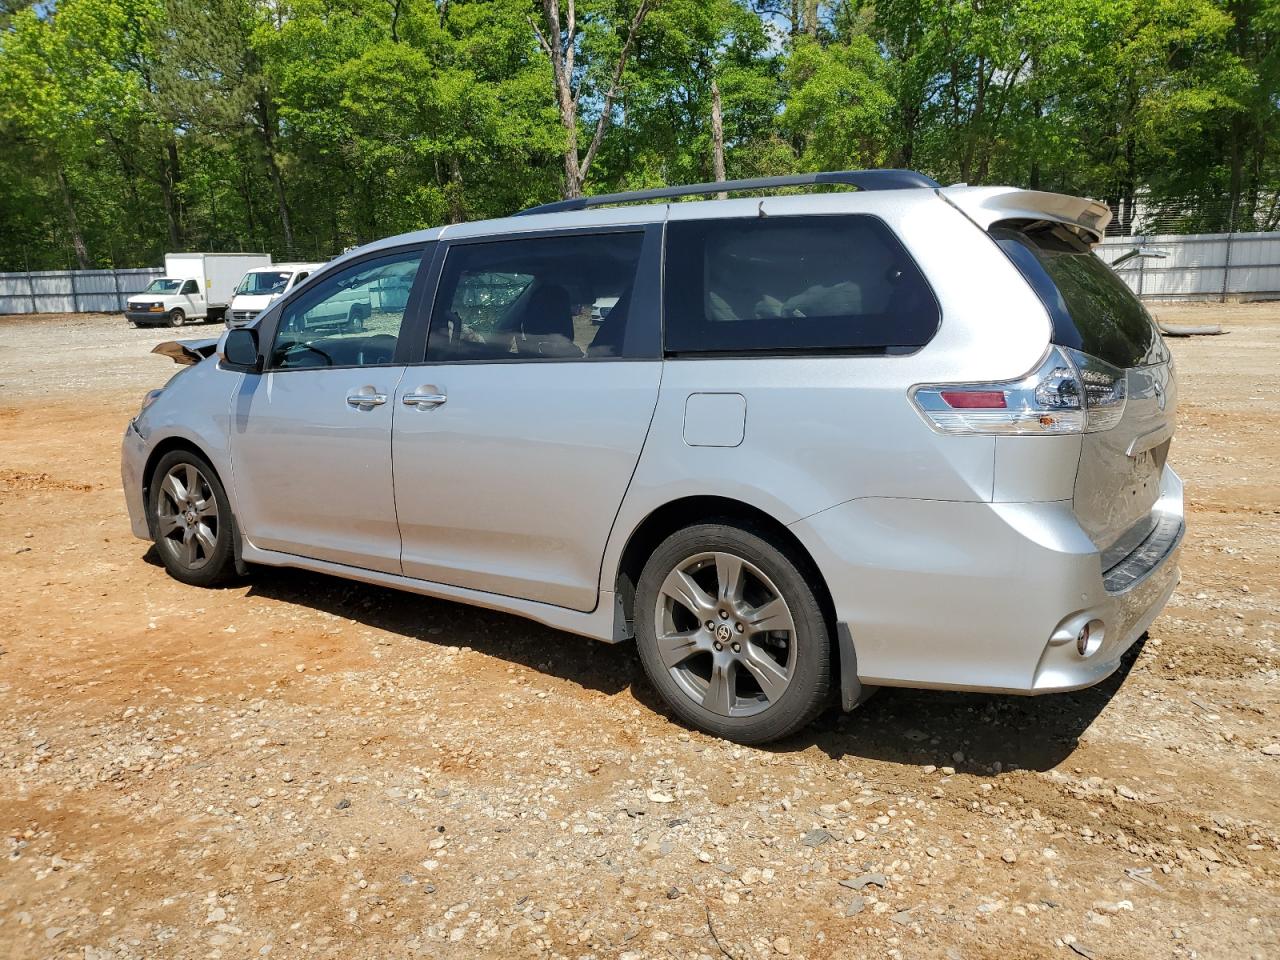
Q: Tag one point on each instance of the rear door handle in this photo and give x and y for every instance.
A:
(366, 399)
(422, 400)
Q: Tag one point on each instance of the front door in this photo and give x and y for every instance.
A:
(515, 442)
(195, 302)
(311, 436)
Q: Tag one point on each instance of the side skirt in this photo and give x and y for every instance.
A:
(600, 624)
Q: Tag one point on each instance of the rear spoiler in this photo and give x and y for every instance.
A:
(186, 352)
(988, 205)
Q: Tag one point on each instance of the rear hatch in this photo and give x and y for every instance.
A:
(1094, 312)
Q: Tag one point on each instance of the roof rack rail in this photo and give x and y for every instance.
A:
(862, 179)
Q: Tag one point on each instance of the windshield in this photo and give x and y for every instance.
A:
(264, 281)
(163, 285)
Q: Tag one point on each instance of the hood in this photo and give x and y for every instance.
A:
(186, 352)
(257, 301)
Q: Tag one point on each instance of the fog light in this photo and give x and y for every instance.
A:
(1089, 639)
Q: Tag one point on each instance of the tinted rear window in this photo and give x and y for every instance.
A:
(793, 285)
(1092, 309)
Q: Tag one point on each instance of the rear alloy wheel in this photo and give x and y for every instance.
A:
(191, 519)
(176, 317)
(731, 634)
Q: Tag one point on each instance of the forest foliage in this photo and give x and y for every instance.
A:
(303, 127)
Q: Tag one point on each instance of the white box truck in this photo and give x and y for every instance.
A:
(195, 286)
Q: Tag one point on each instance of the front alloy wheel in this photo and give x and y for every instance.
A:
(191, 519)
(187, 516)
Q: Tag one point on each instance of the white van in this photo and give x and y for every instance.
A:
(195, 286)
(260, 288)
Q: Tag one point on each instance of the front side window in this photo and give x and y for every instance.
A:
(809, 284)
(542, 298)
(162, 285)
(190, 287)
(350, 318)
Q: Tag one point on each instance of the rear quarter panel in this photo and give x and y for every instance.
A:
(823, 430)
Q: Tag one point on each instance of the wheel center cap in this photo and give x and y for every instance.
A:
(723, 633)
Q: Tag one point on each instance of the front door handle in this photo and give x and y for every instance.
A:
(424, 397)
(362, 400)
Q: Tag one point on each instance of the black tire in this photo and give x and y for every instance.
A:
(211, 558)
(355, 319)
(806, 649)
(176, 317)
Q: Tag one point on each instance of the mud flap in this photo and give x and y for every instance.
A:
(237, 549)
(851, 691)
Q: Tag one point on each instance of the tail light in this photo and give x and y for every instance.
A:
(1070, 392)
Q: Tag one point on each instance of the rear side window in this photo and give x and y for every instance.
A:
(1092, 309)
(817, 284)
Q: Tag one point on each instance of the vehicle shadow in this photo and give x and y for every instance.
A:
(971, 732)
(909, 727)
(605, 668)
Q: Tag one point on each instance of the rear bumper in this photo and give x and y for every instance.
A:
(133, 460)
(988, 596)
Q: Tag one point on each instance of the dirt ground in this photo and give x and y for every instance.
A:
(299, 766)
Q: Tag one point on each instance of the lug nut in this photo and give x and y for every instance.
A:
(739, 627)
(737, 648)
(719, 645)
(711, 625)
(724, 615)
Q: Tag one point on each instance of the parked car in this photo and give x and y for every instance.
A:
(195, 286)
(909, 435)
(601, 307)
(258, 289)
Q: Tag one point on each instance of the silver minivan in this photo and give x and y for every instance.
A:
(898, 435)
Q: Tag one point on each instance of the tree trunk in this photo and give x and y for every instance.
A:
(811, 18)
(273, 171)
(395, 20)
(1255, 178)
(457, 213)
(73, 222)
(906, 152)
(1127, 211)
(717, 136)
(170, 176)
(562, 67)
(1235, 186)
(1034, 180)
(560, 50)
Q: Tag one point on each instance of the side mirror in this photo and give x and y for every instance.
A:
(240, 350)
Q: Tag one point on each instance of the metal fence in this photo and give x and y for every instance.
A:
(72, 291)
(1199, 266)
(1205, 266)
